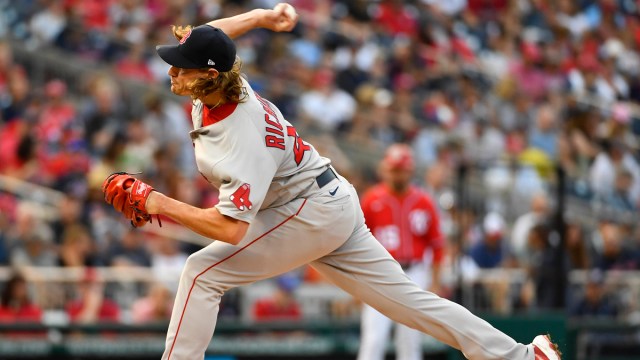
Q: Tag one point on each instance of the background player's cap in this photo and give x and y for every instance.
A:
(399, 156)
(203, 47)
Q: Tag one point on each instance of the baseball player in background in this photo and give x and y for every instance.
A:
(281, 206)
(405, 221)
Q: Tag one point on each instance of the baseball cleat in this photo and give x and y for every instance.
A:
(545, 349)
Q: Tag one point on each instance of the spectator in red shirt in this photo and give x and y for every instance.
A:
(134, 65)
(155, 307)
(281, 305)
(15, 305)
(396, 18)
(91, 306)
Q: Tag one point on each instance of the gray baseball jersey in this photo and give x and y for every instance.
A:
(269, 177)
(252, 155)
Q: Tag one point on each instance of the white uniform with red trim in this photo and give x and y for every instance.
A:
(250, 146)
(408, 227)
(267, 176)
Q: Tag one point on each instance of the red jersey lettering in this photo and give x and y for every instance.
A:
(275, 131)
(274, 127)
(276, 124)
(274, 141)
(267, 107)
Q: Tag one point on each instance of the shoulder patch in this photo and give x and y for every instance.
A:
(240, 197)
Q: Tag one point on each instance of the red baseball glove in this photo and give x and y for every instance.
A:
(129, 196)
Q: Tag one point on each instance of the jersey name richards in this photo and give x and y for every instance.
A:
(405, 225)
(252, 155)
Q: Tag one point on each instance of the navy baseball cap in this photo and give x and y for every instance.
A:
(203, 47)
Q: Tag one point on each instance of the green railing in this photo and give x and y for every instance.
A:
(583, 340)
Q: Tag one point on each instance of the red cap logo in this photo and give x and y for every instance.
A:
(185, 37)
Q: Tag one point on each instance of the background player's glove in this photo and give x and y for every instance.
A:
(129, 196)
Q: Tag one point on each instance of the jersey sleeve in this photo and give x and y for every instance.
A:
(246, 174)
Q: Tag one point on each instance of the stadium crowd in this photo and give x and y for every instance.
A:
(512, 91)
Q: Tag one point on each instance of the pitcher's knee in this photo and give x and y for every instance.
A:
(192, 267)
(197, 272)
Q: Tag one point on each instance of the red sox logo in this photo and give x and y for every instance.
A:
(185, 37)
(240, 197)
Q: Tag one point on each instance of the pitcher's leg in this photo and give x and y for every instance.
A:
(207, 301)
(374, 333)
(278, 240)
(408, 341)
(365, 269)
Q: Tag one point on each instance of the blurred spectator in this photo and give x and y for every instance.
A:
(577, 248)
(102, 113)
(281, 305)
(457, 266)
(77, 248)
(484, 143)
(489, 253)
(37, 249)
(596, 301)
(308, 48)
(71, 213)
(133, 15)
(396, 18)
(577, 147)
(130, 251)
(47, 24)
(325, 95)
(108, 163)
(438, 179)
(134, 66)
(617, 126)
(167, 261)
(139, 149)
(4, 248)
(603, 171)
(168, 125)
(448, 7)
(17, 93)
(544, 133)
(16, 304)
(620, 196)
(523, 225)
(154, 307)
(30, 239)
(90, 305)
(611, 252)
(542, 266)
(56, 116)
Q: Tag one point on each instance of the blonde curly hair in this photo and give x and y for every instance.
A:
(228, 82)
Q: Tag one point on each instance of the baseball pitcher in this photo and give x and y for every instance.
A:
(281, 206)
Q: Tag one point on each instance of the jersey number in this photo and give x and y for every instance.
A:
(388, 236)
(299, 146)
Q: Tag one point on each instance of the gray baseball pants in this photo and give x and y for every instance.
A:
(329, 232)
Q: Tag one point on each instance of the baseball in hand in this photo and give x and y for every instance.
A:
(290, 11)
